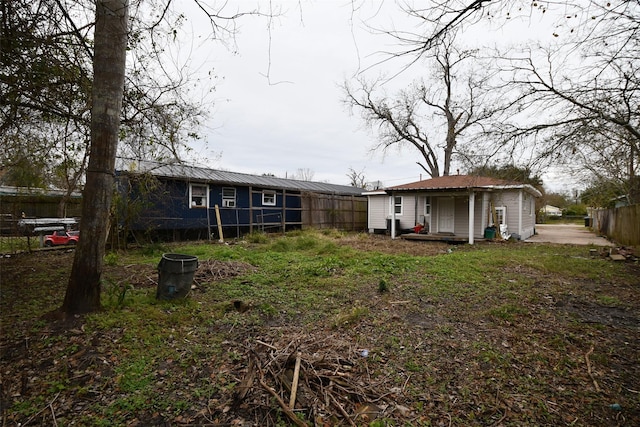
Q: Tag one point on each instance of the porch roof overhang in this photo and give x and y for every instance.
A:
(461, 184)
(462, 190)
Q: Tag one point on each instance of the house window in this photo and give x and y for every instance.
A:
(198, 196)
(501, 215)
(268, 198)
(397, 204)
(228, 197)
(427, 206)
(526, 204)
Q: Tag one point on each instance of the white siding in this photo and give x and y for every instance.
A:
(378, 211)
(528, 215)
(407, 219)
(517, 222)
(479, 219)
(461, 218)
(520, 211)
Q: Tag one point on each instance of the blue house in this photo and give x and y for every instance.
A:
(191, 201)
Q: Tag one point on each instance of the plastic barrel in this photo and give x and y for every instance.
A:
(490, 233)
(175, 275)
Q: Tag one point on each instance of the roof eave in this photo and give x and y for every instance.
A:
(528, 187)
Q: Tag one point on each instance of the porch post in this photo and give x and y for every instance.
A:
(393, 215)
(520, 201)
(472, 203)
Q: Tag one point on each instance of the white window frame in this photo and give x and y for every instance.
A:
(269, 198)
(427, 206)
(392, 202)
(229, 201)
(533, 206)
(194, 197)
(526, 204)
(501, 215)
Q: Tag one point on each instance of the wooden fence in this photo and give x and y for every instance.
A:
(621, 225)
(348, 213)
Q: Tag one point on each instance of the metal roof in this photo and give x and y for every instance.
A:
(462, 182)
(35, 191)
(200, 174)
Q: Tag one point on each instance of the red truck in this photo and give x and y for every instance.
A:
(61, 238)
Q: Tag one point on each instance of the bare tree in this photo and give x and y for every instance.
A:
(453, 100)
(46, 82)
(563, 97)
(590, 110)
(303, 174)
(357, 179)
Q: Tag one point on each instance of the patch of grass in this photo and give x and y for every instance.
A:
(609, 301)
(134, 376)
(14, 244)
(507, 312)
(442, 333)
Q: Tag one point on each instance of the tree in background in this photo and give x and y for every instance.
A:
(357, 179)
(59, 65)
(433, 114)
(46, 89)
(522, 175)
(583, 88)
(46, 81)
(603, 193)
(303, 174)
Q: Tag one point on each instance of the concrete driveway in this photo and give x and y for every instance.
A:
(567, 234)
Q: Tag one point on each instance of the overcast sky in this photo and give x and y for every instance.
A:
(295, 117)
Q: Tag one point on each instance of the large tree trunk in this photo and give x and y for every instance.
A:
(83, 290)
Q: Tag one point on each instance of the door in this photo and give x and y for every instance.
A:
(446, 208)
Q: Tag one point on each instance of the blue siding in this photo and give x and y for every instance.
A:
(168, 208)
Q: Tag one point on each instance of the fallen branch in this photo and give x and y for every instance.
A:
(294, 383)
(266, 345)
(342, 411)
(53, 414)
(43, 409)
(247, 382)
(586, 358)
(292, 416)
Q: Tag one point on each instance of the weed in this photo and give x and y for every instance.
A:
(413, 366)
(111, 259)
(257, 237)
(383, 286)
(350, 317)
(153, 250)
(268, 310)
(115, 294)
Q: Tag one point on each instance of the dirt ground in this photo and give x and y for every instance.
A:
(569, 360)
